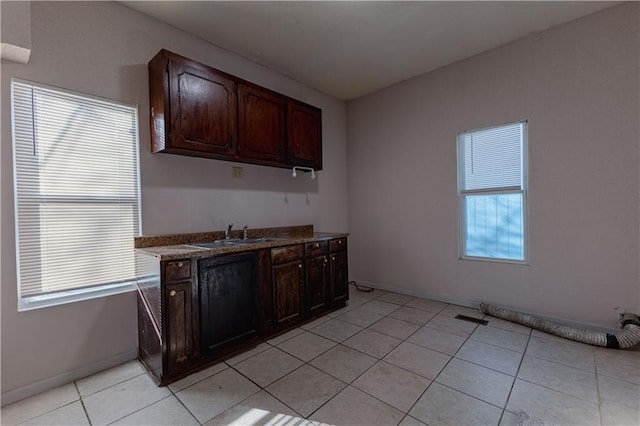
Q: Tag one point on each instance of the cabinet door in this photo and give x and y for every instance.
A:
(339, 276)
(317, 280)
(304, 135)
(178, 324)
(288, 286)
(262, 129)
(203, 106)
(228, 306)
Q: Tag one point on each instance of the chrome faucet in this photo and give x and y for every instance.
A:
(245, 233)
(227, 233)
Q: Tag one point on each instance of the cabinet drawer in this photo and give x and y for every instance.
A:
(177, 270)
(338, 244)
(286, 254)
(315, 249)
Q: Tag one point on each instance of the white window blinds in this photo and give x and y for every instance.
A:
(76, 190)
(492, 157)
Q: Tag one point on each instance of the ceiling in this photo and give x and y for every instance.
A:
(348, 49)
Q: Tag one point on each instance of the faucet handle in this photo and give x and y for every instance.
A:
(227, 233)
(245, 232)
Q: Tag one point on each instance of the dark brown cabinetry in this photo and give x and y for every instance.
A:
(316, 261)
(166, 323)
(177, 297)
(178, 325)
(193, 108)
(288, 284)
(304, 138)
(339, 270)
(199, 111)
(262, 124)
(193, 312)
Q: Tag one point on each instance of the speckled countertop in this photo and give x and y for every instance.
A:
(170, 247)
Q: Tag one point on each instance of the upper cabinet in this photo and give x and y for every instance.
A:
(262, 124)
(304, 135)
(202, 104)
(199, 111)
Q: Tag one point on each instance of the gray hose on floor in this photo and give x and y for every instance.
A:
(627, 338)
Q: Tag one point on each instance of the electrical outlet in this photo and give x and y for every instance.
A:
(236, 172)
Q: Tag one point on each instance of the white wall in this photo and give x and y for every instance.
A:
(15, 29)
(577, 85)
(103, 49)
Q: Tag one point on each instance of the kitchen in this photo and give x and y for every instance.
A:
(380, 182)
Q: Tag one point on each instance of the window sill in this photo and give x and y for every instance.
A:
(47, 300)
(494, 260)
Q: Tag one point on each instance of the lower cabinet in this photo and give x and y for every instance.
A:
(339, 271)
(178, 325)
(317, 276)
(317, 283)
(228, 305)
(167, 316)
(193, 312)
(288, 284)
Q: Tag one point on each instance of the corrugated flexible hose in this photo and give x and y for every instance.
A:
(627, 338)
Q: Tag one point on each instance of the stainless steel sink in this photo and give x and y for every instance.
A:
(235, 241)
(217, 243)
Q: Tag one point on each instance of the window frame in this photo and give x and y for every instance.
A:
(44, 299)
(462, 194)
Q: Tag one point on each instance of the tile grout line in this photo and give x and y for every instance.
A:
(445, 366)
(600, 401)
(182, 403)
(269, 384)
(360, 375)
(403, 305)
(563, 366)
(502, 409)
(370, 367)
(84, 408)
(524, 352)
(144, 373)
(139, 409)
(431, 380)
(451, 356)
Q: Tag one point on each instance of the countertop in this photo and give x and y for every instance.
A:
(185, 249)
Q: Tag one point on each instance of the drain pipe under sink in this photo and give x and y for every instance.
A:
(627, 338)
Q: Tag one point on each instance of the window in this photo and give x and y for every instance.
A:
(492, 193)
(76, 194)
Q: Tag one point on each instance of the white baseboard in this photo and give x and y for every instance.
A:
(476, 304)
(23, 392)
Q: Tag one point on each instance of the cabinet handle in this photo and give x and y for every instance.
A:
(339, 242)
(180, 264)
(299, 265)
(172, 293)
(316, 245)
(333, 258)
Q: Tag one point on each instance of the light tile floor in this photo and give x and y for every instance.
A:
(385, 359)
